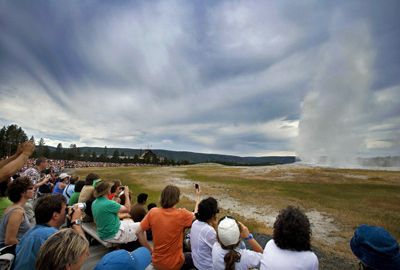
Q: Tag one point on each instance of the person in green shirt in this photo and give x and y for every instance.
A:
(105, 214)
(77, 191)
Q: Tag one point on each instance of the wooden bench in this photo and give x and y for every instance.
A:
(90, 229)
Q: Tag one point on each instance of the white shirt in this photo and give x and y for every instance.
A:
(248, 258)
(202, 239)
(282, 259)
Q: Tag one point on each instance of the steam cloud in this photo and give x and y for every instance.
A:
(331, 127)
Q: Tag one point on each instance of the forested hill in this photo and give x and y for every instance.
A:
(193, 157)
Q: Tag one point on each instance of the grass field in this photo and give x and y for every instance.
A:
(336, 200)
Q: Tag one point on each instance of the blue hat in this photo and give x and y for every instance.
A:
(375, 247)
(138, 259)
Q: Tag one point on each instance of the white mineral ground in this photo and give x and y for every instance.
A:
(322, 226)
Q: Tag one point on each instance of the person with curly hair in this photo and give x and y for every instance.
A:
(15, 222)
(203, 235)
(227, 254)
(290, 247)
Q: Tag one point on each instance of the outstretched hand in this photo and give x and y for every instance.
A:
(27, 148)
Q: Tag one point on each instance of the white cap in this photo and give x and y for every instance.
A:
(64, 175)
(228, 231)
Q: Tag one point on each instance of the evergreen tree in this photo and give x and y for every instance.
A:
(115, 157)
(59, 152)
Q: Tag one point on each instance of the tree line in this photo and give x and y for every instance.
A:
(12, 135)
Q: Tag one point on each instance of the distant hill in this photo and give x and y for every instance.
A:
(193, 157)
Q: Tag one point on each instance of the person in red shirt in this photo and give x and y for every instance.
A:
(168, 224)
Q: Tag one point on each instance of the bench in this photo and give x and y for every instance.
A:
(90, 229)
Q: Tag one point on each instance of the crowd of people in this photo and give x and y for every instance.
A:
(57, 165)
(151, 237)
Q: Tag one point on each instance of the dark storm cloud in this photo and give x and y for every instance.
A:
(226, 76)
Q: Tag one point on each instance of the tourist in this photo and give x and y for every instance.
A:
(15, 222)
(77, 191)
(50, 214)
(87, 196)
(290, 247)
(64, 250)
(61, 184)
(203, 235)
(226, 253)
(105, 214)
(376, 248)
(70, 188)
(138, 211)
(167, 224)
(115, 189)
(34, 175)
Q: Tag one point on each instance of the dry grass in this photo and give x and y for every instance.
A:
(349, 197)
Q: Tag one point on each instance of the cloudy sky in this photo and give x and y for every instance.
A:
(232, 77)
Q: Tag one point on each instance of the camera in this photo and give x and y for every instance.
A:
(81, 206)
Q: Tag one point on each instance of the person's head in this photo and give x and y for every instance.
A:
(64, 250)
(73, 179)
(79, 185)
(20, 188)
(207, 209)
(170, 196)
(64, 177)
(142, 198)
(115, 185)
(41, 163)
(51, 210)
(228, 235)
(102, 188)
(90, 178)
(151, 205)
(292, 230)
(375, 247)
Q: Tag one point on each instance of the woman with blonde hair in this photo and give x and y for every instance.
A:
(64, 250)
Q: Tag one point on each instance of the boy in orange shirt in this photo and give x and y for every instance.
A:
(168, 224)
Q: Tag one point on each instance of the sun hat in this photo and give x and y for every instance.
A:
(63, 176)
(139, 259)
(375, 247)
(228, 231)
(101, 189)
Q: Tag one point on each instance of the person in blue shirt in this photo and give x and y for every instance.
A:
(50, 214)
(61, 184)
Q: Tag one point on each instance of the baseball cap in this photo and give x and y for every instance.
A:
(138, 259)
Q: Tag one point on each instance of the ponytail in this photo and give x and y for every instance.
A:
(231, 258)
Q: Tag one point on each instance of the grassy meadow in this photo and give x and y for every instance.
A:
(336, 200)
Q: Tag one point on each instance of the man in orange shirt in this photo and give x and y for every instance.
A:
(167, 224)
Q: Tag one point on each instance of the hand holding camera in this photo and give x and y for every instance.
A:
(126, 190)
(244, 231)
(197, 189)
(75, 213)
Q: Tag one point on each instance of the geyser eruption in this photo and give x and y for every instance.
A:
(331, 129)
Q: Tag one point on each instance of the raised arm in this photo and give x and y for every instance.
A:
(126, 208)
(11, 165)
(246, 235)
(198, 193)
